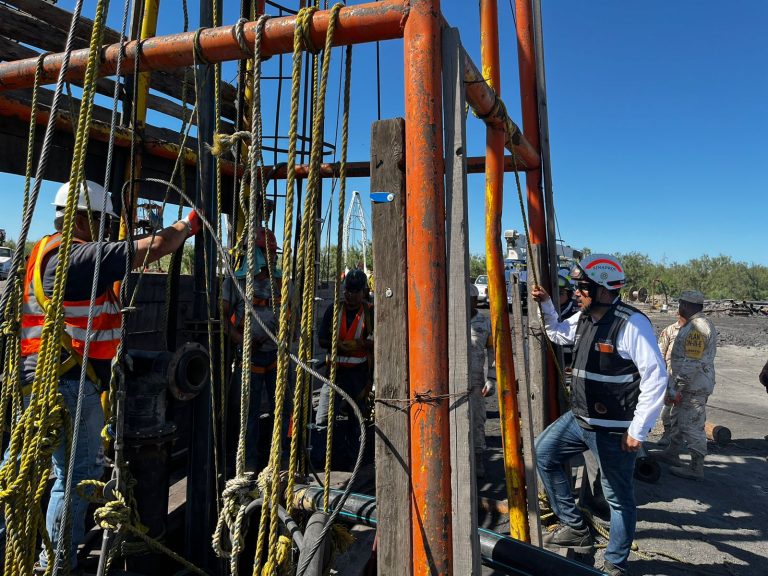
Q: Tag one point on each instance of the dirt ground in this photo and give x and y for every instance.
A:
(718, 526)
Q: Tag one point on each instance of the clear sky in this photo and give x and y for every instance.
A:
(657, 122)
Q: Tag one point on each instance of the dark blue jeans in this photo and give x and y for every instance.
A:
(564, 439)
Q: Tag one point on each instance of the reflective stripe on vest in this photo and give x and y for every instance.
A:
(352, 332)
(105, 330)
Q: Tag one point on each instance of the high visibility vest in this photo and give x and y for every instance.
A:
(105, 329)
(353, 331)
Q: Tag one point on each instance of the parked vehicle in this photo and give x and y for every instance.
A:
(5, 262)
(481, 283)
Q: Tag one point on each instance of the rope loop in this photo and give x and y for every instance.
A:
(303, 20)
(198, 49)
(238, 33)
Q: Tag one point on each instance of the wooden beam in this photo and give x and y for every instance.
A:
(526, 419)
(46, 35)
(393, 470)
(466, 542)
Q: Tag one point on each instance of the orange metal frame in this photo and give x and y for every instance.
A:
(419, 22)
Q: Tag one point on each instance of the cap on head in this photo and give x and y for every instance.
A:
(602, 269)
(355, 280)
(91, 196)
(692, 296)
(564, 281)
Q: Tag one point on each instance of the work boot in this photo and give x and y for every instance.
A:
(665, 439)
(670, 455)
(613, 570)
(693, 472)
(579, 539)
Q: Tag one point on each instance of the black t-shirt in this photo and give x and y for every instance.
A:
(82, 269)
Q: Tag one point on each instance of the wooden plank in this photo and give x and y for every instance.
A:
(393, 486)
(50, 35)
(526, 424)
(537, 350)
(466, 542)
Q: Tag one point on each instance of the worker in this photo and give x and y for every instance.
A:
(104, 337)
(619, 382)
(263, 361)
(764, 376)
(691, 381)
(482, 383)
(353, 368)
(666, 339)
(565, 290)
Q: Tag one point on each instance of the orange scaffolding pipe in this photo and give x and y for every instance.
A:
(514, 468)
(427, 293)
(537, 233)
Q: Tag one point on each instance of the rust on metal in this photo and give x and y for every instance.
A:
(362, 23)
(427, 293)
(514, 468)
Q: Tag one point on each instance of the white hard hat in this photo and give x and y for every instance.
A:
(603, 269)
(95, 198)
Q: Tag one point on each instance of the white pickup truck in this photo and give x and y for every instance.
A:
(5, 262)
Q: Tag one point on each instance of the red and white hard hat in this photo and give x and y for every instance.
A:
(602, 269)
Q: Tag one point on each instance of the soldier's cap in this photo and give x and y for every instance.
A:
(692, 296)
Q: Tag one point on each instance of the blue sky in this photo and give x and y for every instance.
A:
(657, 122)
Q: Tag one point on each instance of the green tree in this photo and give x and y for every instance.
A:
(477, 265)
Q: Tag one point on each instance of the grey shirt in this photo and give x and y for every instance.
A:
(82, 268)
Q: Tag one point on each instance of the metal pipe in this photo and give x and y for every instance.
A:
(427, 293)
(537, 235)
(362, 23)
(497, 550)
(514, 468)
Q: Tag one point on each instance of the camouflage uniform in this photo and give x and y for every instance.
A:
(666, 339)
(693, 375)
(480, 328)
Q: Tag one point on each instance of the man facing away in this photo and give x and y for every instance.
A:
(105, 335)
(691, 381)
(481, 383)
(618, 386)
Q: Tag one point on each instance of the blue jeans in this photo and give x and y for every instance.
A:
(87, 466)
(564, 439)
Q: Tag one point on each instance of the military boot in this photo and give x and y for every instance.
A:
(693, 472)
(670, 454)
(665, 439)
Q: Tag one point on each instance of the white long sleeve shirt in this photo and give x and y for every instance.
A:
(636, 342)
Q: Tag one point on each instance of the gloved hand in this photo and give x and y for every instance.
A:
(490, 386)
(193, 222)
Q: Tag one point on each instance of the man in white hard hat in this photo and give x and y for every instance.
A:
(92, 206)
(691, 381)
(617, 391)
(482, 383)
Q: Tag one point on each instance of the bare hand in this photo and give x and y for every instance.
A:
(539, 294)
(629, 444)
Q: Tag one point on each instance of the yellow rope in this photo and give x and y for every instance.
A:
(337, 289)
(39, 429)
(307, 255)
(269, 514)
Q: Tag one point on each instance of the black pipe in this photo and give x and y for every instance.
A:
(497, 551)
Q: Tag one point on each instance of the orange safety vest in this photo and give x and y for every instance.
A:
(105, 332)
(353, 331)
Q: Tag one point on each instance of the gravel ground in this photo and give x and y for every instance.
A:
(718, 526)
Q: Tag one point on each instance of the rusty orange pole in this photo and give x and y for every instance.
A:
(514, 468)
(427, 293)
(361, 23)
(537, 227)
